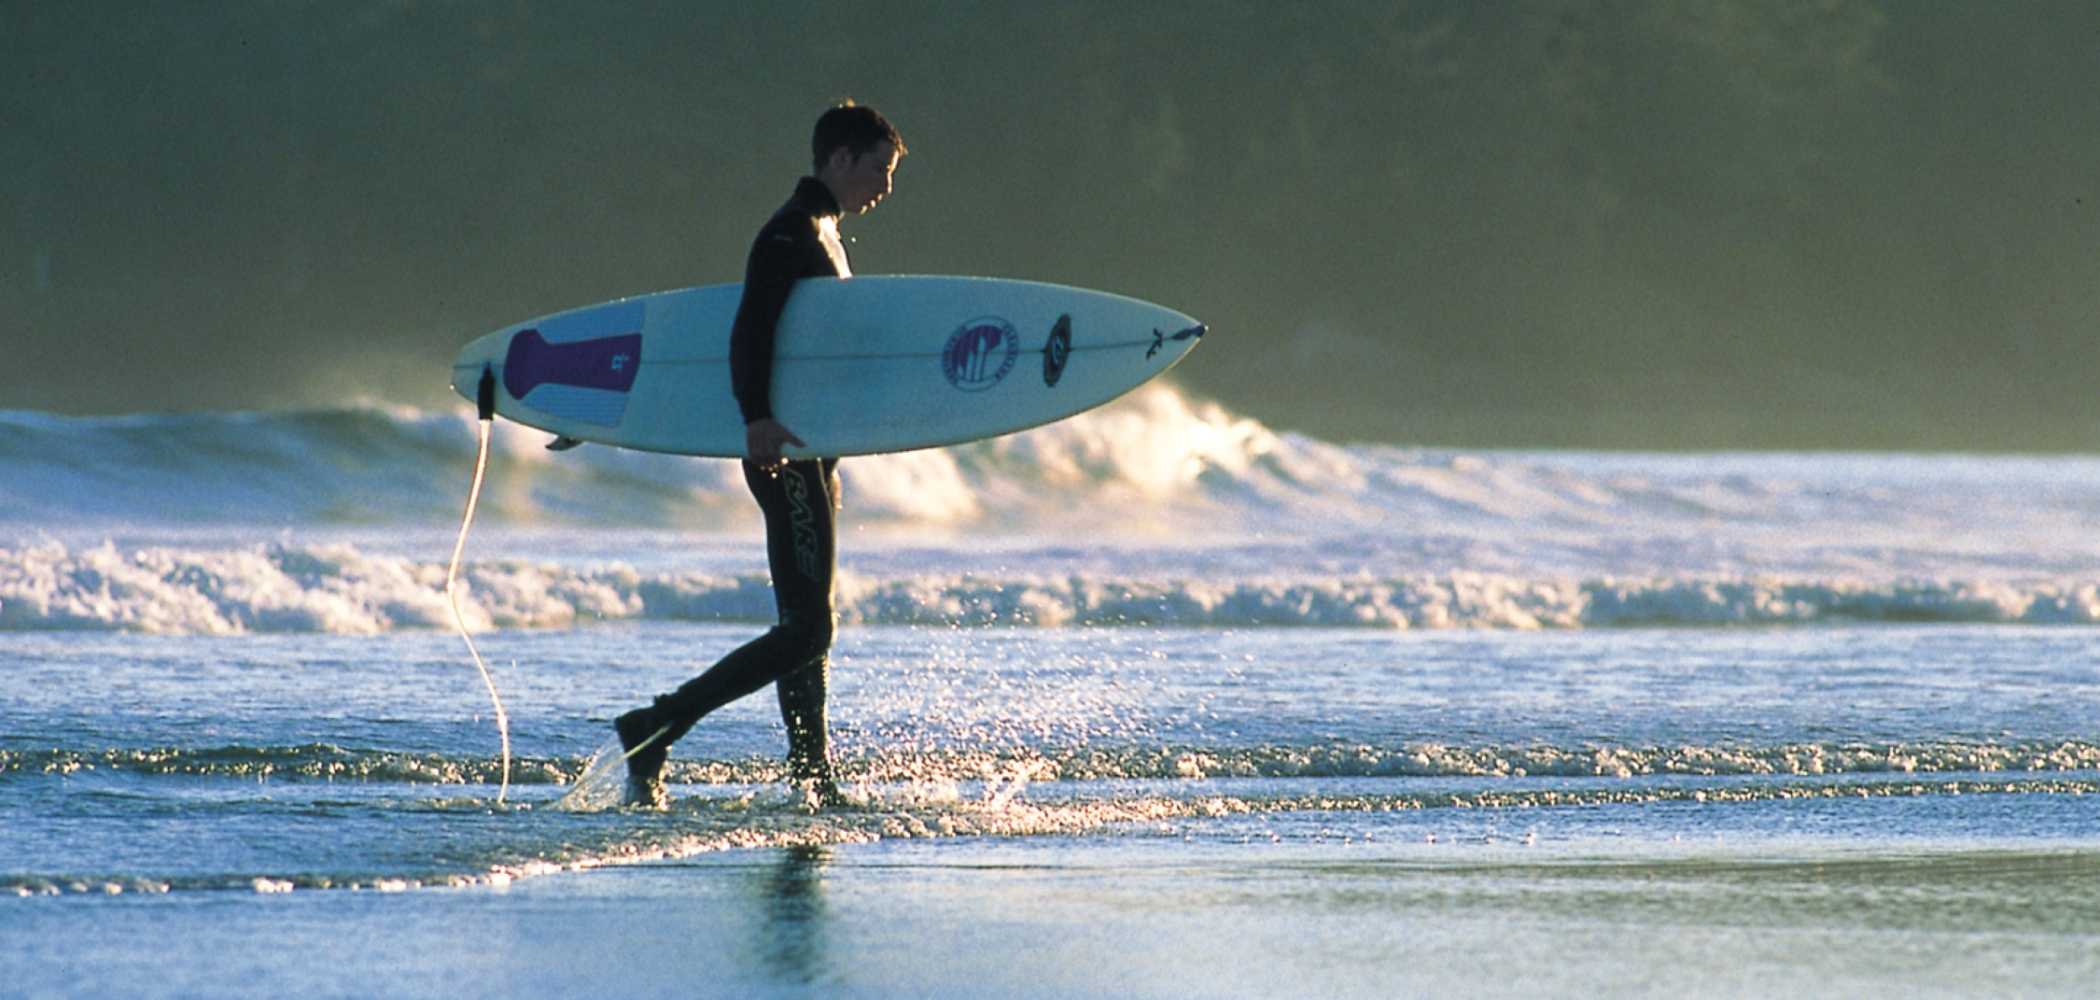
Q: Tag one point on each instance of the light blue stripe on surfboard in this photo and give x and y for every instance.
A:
(602, 407)
(597, 321)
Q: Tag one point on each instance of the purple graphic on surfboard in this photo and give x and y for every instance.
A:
(980, 353)
(605, 363)
(578, 366)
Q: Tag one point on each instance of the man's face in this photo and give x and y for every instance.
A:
(859, 182)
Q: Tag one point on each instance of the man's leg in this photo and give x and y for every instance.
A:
(802, 711)
(801, 548)
(809, 597)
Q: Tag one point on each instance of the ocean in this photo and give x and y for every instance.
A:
(1153, 702)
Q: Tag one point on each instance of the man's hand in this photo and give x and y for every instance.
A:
(763, 440)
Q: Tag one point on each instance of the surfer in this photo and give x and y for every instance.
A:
(855, 151)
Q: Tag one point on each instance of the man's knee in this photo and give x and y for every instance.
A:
(808, 637)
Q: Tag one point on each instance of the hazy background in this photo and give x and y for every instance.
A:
(1651, 224)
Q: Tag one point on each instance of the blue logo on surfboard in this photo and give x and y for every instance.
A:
(980, 353)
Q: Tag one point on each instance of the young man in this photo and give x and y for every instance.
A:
(855, 151)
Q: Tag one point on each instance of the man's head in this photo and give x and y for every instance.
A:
(855, 151)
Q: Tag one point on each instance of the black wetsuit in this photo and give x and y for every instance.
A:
(800, 503)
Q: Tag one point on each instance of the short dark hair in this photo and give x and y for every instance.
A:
(855, 126)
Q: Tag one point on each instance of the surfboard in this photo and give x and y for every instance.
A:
(862, 365)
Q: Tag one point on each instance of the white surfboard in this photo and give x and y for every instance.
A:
(861, 365)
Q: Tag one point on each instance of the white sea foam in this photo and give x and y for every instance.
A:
(340, 589)
(1158, 508)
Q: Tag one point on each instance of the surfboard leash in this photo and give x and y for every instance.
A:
(485, 404)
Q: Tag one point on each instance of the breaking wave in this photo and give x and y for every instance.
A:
(1156, 509)
(340, 589)
(401, 467)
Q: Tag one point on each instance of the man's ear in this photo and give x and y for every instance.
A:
(841, 159)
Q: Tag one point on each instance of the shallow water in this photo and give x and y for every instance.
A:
(1855, 811)
(1130, 915)
(1154, 703)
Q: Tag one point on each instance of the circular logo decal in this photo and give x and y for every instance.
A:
(1057, 350)
(980, 353)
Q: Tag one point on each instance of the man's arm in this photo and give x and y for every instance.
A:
(769, 276)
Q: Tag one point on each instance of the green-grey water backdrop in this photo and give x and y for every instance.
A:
(1637, 224)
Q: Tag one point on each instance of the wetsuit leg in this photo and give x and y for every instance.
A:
(802, 550)
(802, 693)
(802, 710)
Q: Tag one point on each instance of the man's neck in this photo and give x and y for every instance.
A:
(828, 204)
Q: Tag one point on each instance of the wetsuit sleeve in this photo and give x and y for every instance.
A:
(768, 278)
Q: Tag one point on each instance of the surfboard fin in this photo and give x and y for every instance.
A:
(563, 442)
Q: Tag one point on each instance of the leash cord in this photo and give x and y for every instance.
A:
(481, 464)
